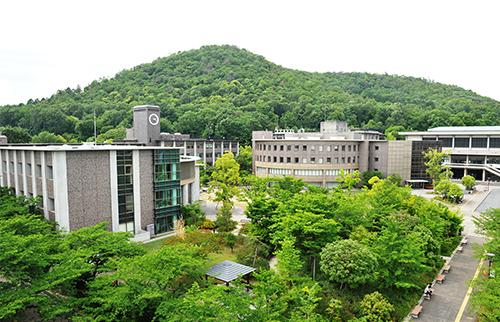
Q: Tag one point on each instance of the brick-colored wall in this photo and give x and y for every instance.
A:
(147, 188)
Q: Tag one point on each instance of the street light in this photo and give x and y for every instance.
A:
(490, 259)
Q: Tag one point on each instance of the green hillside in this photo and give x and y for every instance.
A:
(225, 91)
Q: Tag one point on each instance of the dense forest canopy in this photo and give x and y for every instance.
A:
(225, 91)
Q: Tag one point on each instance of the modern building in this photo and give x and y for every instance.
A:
(319, 157)
(208, 150)
(135, 186)
(474, 150)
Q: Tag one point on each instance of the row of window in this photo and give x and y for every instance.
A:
(199, 146)
(311, 160)
(306, 147)
(28, 168)
(466, 142)
(300, 172)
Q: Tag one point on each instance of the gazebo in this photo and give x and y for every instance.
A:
(228, 271)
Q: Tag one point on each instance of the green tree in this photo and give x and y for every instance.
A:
(244, 158)
(224, 220)
(434, 164)
(193, 214)
(348, 262)
(225, 179)
(46, 137)
(468, 182)
(449, 190)
(376, 308)
(16, 134)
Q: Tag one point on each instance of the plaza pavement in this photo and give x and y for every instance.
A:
(451, 298)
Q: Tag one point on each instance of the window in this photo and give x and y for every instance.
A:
(268, 158)
(494, 142)
(313, 148)
(349, 148)
(275, 147)
(348, 159)
(342, 160)
(308, 172)
(343, 148)
(313, 160)
(376, 147)
(353, 159)
(288, 160)
(261, 170)
(461, 142)
(282, 147)
(376, 159)
(264, 147)
(274, 159)
(479, 142)
(296, 160)
(304, 148)
(328, 160)
(269, 147)
(336, 160)
(328, 148)
(289, 148)
(296, 148)
(336, 148)
(281, 159)
(320, 160)
(354, 148)
(304, 160)
(286, 172)
(320, 148)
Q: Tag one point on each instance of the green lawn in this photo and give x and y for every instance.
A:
(153, 245)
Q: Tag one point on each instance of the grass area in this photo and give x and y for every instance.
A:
(154, 245)
(225, 254)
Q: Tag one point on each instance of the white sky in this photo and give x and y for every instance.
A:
(50, 45)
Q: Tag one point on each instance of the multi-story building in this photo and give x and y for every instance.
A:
(319, 157)
(474, 150)
(134, 186)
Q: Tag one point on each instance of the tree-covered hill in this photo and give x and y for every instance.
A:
(225, 91)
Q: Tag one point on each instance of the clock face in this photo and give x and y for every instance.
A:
(154, 119)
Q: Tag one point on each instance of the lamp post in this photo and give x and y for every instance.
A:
(490, 260)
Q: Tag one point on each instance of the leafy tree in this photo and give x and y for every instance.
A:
(46, 137)
(435, 166)
(348, 181)
(368, 175)
(193, 214)
(348, 262)
(223, 221)
(376, 308)
(289, 262)
(244, 158)
(449, 190)
(468, 182)
(225, 179)
(16, 134)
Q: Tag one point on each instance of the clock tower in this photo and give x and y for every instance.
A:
(147, 124)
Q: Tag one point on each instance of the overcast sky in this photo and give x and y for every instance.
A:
(50, 45)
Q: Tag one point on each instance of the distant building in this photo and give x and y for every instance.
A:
(475, 150)
(135, 185)
(319, 157)
(208, 150)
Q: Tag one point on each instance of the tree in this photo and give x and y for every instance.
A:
(449, 190)
(223, 221)
(435, 166)
(193, 214)
(225, 179)
(16, 134)
(368, 175)
(289, 262)
(348, 181)
(348, 262)
(244, 158)
(376, 308)
(468, 182)
(46, 137)
(486, 291)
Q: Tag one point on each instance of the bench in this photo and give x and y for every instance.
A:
(446, 269)
(416, 311)
(464, 241)
(441, 278)
(460, 249)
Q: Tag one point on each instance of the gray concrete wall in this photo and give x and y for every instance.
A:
(88, 188)
(147, 188)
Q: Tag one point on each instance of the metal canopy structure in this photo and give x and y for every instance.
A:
(228, 271)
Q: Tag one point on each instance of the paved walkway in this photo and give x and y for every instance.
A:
(450, 301)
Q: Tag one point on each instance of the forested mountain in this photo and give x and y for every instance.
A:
(225, 91)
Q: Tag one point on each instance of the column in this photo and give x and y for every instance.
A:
(113, 174)
(45, 197)
(33, 174)
(137, 191)
(25, 174)
(61, 200)
(16, 174)
(185, 194)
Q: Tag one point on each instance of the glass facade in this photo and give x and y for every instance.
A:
(167, 185)
(125, 190)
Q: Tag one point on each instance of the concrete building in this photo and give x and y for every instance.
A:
(208, 150)
(319, 157)
(136, 186)
(474, 150)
